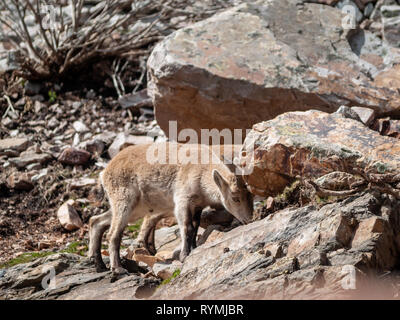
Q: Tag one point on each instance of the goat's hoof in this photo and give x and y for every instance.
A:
(98, 263)
(182, 256)
(152, 250)
(101, 267)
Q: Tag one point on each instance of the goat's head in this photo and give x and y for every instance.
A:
(234, 195)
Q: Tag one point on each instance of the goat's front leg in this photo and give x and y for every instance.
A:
(184, 218)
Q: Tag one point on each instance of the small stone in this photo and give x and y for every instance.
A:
(390, 11)
(68, 216)
(53, 123)
(72, 156)
(124, 140)
(38, 106)
(135, 100)
(368, 9)
(76, 140)
(366, 115)
(20, 181)
(32, 88)
(142, 255)
(40, 175)
(27, 158)
(82, 183)
(80, 127)
(273, 249)
(15, 144)
(270, 203)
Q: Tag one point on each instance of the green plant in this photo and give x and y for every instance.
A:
(176, 273)
(52, 96)
(76, 247)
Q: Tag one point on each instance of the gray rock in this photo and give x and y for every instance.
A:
(80, 127)
(75, 279)
(390, 11)
(32, 88)
(14, 144)
(124, 140)
(344, 6)
(27, 158)
(68, 216)
(135, 100)
(369, 8)
(317, 250)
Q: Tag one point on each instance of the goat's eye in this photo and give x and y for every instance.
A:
(236, 199)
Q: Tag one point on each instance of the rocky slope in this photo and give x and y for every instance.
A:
(323, 104)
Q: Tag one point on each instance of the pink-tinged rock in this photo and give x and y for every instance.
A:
(72, 156)
(368, 229)
(68, 216)
(312, 144)
(270, 203)
(249, 64)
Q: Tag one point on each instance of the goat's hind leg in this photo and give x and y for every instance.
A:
(121, 214)
(97, 226)
(196, 224)
(146, 234)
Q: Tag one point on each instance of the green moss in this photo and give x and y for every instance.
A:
(25, 258)
(324, 200)
(30, 256)
(176, 273)
(381, 167)
(288, 191)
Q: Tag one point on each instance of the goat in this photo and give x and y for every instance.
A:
(137, 186)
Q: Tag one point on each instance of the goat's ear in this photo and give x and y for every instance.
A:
(218, 179)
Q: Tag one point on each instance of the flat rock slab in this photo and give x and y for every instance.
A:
(261, 59)
(15, 144)
(75, 279)
(311, 144)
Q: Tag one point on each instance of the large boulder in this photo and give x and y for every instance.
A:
(258, 60)
(311, 144)
(303, 253)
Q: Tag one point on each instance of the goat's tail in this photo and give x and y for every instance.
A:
(96, 195)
